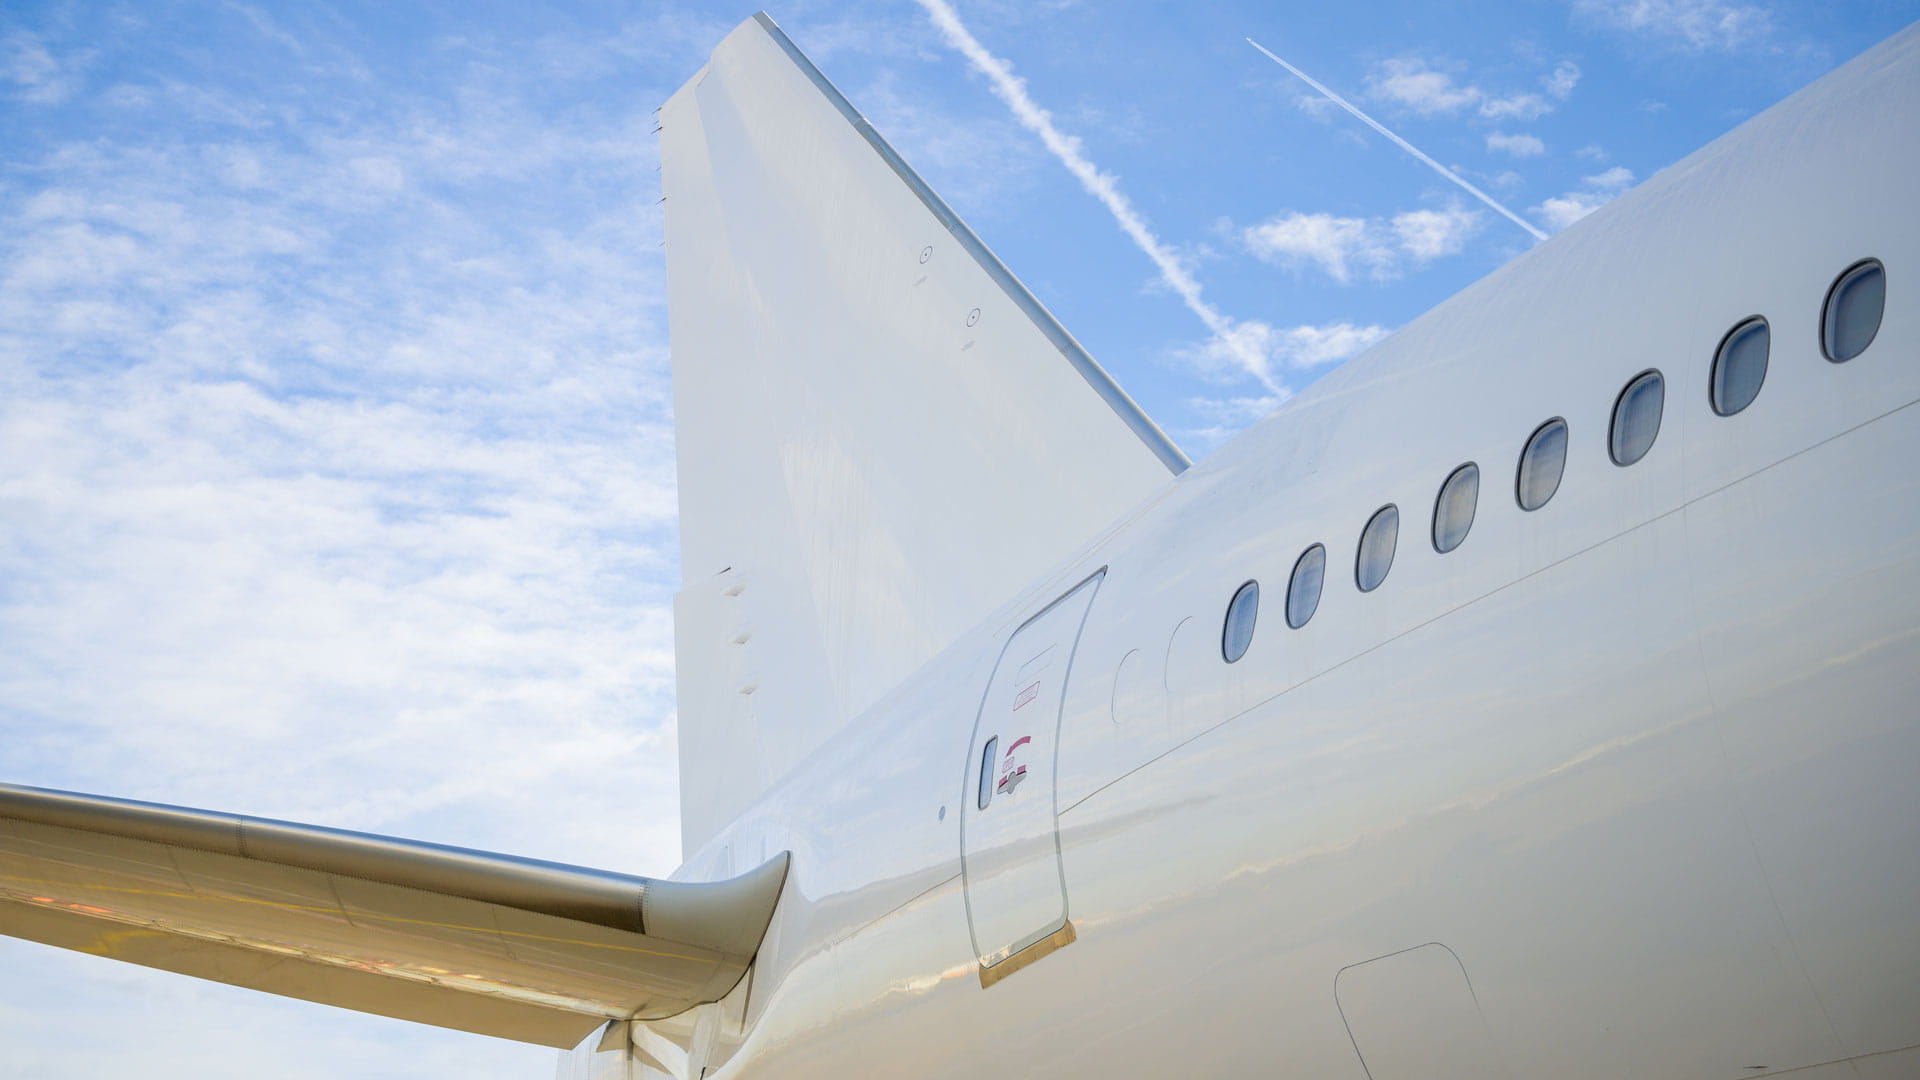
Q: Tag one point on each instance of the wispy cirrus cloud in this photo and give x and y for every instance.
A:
(398, 480)
(1691, 25)
(37, 75)
(339, 488)
(1346, 247)
(978, 167)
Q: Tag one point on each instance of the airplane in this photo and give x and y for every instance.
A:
(1575, 738)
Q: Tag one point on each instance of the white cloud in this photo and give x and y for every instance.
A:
(1228, 416)
(1593, 193)
(1337, 244)
(1300, 348)
(1517, 145)
(1290, 348)
(1563, 210)
(1564, 77)
(1409, 81)
(1695, 25)
(1426, 235)
(1377, 247)
(335, 506)
(1332, 343)
(1617, 178)
(1515, 107)
(1414, 83)
(250, 515)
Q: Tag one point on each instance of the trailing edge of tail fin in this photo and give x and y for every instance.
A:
(881, 433)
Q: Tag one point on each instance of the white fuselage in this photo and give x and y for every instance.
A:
(1623, 786)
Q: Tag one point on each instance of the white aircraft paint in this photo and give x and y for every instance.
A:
(878, 426)
(1621, 786)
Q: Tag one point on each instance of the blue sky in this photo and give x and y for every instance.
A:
(336, 462)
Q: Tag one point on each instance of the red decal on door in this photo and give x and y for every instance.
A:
(1025, 696)
(1012, 773)
(1011, 780)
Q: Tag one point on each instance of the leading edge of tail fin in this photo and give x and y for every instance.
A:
(1070, 349)
(881, 433)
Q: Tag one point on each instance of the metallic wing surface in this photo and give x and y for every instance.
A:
(516, 948)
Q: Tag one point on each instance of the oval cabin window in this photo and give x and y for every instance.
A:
(1636, 417)
(1541, 464)
(1740, 366)
(1237, 634)
(1303, 591)
(1453, 510)
(1854, 307)
(1377, 542)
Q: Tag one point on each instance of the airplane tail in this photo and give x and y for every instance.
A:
(881, 433)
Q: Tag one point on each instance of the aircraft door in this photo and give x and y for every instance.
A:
(1009, 847)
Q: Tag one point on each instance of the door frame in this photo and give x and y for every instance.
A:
(1062, 934)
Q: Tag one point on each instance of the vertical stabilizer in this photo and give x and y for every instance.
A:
(881, 433)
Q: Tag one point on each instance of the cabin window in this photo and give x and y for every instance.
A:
(1636, 417)
(1453, 510)
(1377, 542)
(986, 771)
(1303, 591)
(1237, 634)
(1541, 464)
(1740, 366)
(1854, 306)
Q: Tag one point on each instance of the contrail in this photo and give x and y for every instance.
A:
(1400, 142)
(1238, 338)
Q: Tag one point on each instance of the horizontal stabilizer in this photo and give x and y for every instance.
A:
(516, 948)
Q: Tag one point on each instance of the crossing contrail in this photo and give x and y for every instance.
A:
(1238, 339)
(1402, 143)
